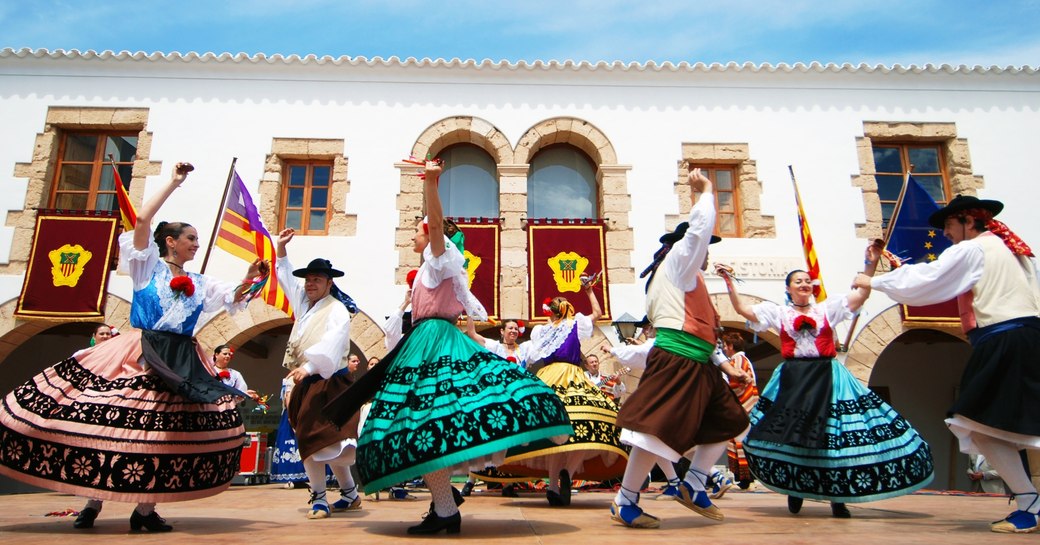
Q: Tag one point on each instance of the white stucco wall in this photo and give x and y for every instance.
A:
(207, 112)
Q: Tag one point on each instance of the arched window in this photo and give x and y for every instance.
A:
(561, 185)
(469, 183)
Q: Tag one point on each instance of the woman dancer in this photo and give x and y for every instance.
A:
(816, 432)
(441, 403)
(594, 452)
(230, 377)
(141, 417)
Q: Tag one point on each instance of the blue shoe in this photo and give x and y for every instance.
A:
(669, 492)
(698, 502)
(400, 494)
(633, 516)
(319, 507)
(1019, 522)
(722, 484)
(344, 504)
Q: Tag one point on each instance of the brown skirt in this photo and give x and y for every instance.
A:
(683, 403)
(313, 430)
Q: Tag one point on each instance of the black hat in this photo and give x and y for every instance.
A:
(645, 321)
(318, 266)
(679, 232)
(960, 203)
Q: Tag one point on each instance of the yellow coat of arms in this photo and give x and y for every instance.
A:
(67, 264)
(567, 268)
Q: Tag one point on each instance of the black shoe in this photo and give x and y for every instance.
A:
(744, 485)
(840, 511)
(555, 500)
(85, 519)
(794, 504)
(152, 523)
(565, 487)
(433, 524)
(509, 491)
(459, 500)
(467, 489)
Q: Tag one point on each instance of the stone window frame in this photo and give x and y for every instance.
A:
(285, 151)
(954, 151)
(747, 187)
(513, 166)
(60, 120)
(305, 209)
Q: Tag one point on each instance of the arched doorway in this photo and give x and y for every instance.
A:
(918, 374)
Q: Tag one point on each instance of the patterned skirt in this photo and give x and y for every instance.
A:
(286, 464)
(818, 433)
(446, 403)
(594, 452)
(101, 425)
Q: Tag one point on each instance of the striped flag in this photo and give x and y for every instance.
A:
(243, 235)
(812, 264)
(126, 208)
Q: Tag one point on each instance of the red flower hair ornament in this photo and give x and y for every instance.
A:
(547, 306)
(520, 325)
(182, 285)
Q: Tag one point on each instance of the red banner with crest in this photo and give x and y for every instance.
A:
(940, 314)
(559, 253)
(482, 253)
(67, 275)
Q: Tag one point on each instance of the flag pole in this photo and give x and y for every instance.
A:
(884, 244)
(220, 214)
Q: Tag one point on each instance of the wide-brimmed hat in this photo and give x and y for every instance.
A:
(679, 232)
(961, 203)
(318, 266)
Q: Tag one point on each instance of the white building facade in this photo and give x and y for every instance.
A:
(320, 142)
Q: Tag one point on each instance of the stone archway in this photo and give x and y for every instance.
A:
(117, 314)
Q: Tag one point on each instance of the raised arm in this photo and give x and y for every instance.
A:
(471, 331)
(860, 292)
(143, 229)
(434, 211)
(597, 310)
(739, 305)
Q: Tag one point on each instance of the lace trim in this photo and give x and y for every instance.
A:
(176, 307)
(550, 338)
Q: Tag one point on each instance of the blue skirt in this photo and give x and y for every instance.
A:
(854, 448)
(286, 465)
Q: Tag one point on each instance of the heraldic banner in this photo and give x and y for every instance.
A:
(482, 260)
(67, 277)
(558, 254)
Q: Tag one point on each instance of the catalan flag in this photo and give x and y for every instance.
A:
(243, 235)
(812, 264)
(126, 208)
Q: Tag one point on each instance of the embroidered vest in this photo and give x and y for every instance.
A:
(1006, 290)
(690, 312)
(303, 337)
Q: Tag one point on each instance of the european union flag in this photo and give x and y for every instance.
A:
(912, 239)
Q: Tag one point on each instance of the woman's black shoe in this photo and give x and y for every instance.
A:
(509, 491)
(459, 500)
(840, 511)
(794, 504)
(565, 487)
(85, 519)
(152, 523)
(433, 524)
(467, 489)
(555, 500)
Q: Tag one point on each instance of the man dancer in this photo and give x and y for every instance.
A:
(319, 339)
(678, 379)
(993, 274)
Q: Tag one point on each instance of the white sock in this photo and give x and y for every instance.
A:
(316, 475)
(341, 469)
(1004, 458)
(669, 471)
(94, 504)
(439, 483)
(555, 463)
(640, 462)
(700, 465)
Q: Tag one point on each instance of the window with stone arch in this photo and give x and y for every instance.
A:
(562, 184)
(469, 184)
(941, 163)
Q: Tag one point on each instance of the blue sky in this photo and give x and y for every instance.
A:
(985, 32)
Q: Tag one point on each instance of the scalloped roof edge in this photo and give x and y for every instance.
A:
(488, 64)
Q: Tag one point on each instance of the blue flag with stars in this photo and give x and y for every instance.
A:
(912, 239)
